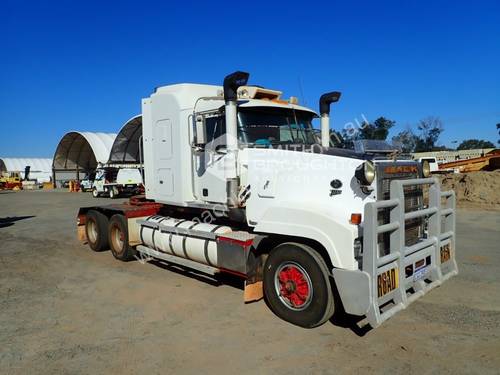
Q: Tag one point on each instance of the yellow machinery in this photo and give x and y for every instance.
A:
(10, 180)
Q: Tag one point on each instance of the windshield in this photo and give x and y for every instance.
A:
(270, 126)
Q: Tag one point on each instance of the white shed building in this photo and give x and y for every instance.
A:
(40, 168)
(127, 147)
(81, 153)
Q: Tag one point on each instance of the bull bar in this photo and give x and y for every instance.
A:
(359, 290)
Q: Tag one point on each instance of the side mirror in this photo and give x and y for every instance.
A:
(200, 136)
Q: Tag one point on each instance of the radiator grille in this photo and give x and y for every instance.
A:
(414, 229)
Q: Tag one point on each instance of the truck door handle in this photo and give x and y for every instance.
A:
(161, 181)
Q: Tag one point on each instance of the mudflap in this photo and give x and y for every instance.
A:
(80, 225)
(254, 287)
(82, 236)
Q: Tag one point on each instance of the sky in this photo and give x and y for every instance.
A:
(85, 65)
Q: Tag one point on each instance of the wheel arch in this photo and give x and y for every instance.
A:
(335, 234)
(265, 244)
(108, 211)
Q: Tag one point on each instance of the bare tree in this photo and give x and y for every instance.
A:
(430, 129)
(407, 139)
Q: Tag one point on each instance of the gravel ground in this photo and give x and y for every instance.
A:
(65, 309)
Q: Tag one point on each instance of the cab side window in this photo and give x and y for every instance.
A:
(216, 127)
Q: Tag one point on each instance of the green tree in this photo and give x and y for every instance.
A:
(430, 129)
(378, 129)
(470, 144)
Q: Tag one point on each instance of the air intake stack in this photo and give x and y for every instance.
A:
(324, 109)
(231, 84)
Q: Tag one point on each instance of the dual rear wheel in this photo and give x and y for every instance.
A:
(109, 233)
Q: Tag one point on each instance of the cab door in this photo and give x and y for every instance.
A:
(209, 176)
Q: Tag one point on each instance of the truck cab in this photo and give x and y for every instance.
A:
(237, 181)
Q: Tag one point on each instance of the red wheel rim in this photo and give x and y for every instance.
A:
(293, 285)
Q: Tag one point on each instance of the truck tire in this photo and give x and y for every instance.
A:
(96, 230)
(297, 286)
(118, 238)
(112, 193)
(95, 193)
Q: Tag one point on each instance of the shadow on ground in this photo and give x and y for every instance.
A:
(8, 221)
(357, 324)
(216, 280)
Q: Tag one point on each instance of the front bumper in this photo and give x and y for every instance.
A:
(365, 292)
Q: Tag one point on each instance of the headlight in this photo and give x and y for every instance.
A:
(365, 173)
(426, 169)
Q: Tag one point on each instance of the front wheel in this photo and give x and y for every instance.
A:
(95, 193)
(297, 286)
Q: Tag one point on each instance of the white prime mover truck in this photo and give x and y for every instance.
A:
(237, 182)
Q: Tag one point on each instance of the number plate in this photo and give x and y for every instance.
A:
(419, 274)
(387, 281)
(445, 253)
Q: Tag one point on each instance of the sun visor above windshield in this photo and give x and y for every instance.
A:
(266, 103)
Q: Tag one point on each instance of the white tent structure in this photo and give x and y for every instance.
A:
(80, 152)
(40, 168)
(127, 147)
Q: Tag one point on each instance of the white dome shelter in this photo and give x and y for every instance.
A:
(40, 168)
(127, 148)
(80, 152)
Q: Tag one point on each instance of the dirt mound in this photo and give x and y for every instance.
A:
(481, 189)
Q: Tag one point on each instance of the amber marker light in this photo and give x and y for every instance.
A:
(355, 219)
